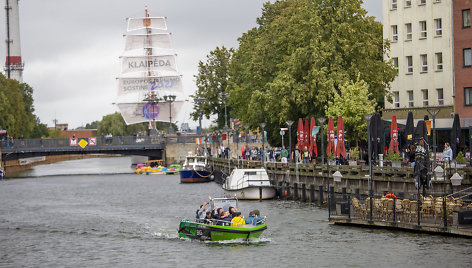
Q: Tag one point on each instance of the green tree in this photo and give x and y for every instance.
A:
(115, 125)
(39, 130)
(212, 81)
(93, 125)
(16, 108)
(352, 103)
(300, 55)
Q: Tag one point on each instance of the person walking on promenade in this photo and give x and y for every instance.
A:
(447, 154)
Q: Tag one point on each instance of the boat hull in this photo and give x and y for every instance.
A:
(252, 193)
(193, 176)
(206, 232)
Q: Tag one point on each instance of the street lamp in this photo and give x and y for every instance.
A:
(367, 117)
(170, 99)
(199, 102)
(322, 120)
(433, 112)
(263, 138)
(290, 123)
(224, 96)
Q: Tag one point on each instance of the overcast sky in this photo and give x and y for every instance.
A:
(71, 48)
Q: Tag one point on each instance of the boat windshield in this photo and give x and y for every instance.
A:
(224, 203)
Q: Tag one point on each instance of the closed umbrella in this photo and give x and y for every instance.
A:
(340, 148)
(455, 135)
(306, 135)
(394, 135)
(374, 136)
(409, 129)
(300, 132)
(313, 147)
(330, 148)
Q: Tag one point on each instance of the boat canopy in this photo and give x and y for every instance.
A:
(224, 203)
(242, 178)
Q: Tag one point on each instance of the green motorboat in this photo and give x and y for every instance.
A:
(211, 231)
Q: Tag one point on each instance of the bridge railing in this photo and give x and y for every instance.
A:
(96, 141)
(66, 142)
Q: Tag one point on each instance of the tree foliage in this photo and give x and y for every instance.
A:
(16, 109)
(298, 58)
(212, 80)
(115, 124)
(353, 101)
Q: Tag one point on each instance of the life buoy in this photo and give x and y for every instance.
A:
(390, 196)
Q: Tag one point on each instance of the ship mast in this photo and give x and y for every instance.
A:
(153, 97)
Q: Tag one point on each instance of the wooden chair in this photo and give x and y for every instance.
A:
(378, 204)
(413, 212)
(438, 211)
(398, 209)
(387, 208)
(357, 207)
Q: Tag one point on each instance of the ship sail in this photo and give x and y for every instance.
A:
(148, 72)
(140, 41)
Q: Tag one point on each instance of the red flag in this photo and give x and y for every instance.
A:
(340, 148)
(330, 149)
(394, 135)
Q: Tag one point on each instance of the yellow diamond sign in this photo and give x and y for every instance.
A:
(83, 143)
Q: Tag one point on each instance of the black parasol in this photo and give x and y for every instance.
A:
(455, 135)
(409, 129)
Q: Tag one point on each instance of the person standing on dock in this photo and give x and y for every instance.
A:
(284, 155)
(447, 154)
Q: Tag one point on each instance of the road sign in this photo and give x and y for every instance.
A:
(92, 141)
(73, 142)
(83, 143)
(282, 132)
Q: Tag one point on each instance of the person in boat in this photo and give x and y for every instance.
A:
(208, 219)
(225, 218)
(253, 219)
(201, 212)
(237, 220)
(216, 212)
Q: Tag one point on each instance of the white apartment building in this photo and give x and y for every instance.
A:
(421, 49)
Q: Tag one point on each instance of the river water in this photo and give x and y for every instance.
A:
(97, 213)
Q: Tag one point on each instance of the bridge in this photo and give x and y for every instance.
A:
(151, 146)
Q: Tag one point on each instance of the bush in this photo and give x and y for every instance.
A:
(460, 158)
(393, 157)
(354, 153)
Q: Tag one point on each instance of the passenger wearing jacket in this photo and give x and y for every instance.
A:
(237, 220)
(225, 218)
(253, 219)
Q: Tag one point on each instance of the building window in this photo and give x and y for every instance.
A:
(408, 31)
(395, 63)
(396, 99)
(440, 96)
(437, 1)
(424, 63)
(410, 98)
(439, 62)
(394, 4)
(422, 2)
(407, 3)
(468, 95)
(394, 33)
(467, 57)
(425, 97)
(409, 64)
(466, 18)
(423, 32)
(438, 25)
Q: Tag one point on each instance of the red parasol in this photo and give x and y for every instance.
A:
(306, 135)
(330, 149)
(394, 135)
(300, 133)
(313, 148)
(340, 148)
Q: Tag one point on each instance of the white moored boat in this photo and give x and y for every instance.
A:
(252, 184)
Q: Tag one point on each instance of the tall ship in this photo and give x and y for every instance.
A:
(149, 85)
